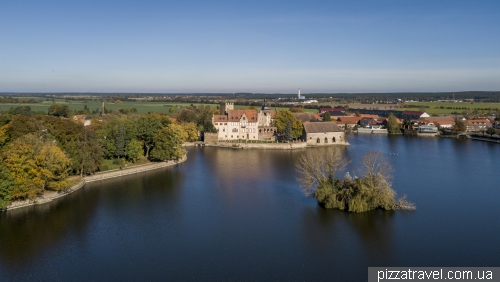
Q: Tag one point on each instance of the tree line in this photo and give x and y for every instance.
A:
(39, 152)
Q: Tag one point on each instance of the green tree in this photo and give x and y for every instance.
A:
(491, 131)
(288, 135)
(60, 111)
(6, 187)
(280, 121)
(191, 130)
(35, 166)
(168, 143)
(187, 115)
(296, 109)
(459, 125)
(134, 150)
(326, 117)
(87, 154)
(21, 110)
(120, 141)
(392, 125)
(147, 128)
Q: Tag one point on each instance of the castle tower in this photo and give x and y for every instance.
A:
(225, 108)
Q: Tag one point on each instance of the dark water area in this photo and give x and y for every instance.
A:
(229, 214)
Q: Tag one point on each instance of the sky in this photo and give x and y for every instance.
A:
(249, 46)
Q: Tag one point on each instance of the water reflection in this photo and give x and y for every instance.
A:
(28, 232)
(241, 215)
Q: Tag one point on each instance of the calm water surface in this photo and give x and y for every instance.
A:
(240, 215)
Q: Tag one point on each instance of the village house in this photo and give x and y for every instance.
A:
(348, 122)
(368, 122)
(477, 124)
(443, 122)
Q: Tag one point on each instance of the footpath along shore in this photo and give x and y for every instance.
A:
(51, 195)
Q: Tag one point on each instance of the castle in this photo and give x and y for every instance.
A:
(247, 124)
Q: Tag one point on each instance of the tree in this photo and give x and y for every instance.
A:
(21, 110)
(191, 131)
(459, 125)
(168, 143)
(280, 121)
(35, 166)
(120, 141)
(318, 168)
(392, 125)
(288, 135)
(296, 109)
(371, 190)
(147, 128)
(6, 187)
(3, 135)
(491, 131)
(326, 116)
(60, 111)
(187, 115)
(134, 150)
(88, 154)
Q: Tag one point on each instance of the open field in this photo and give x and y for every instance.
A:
(142, 107)
(450, 107)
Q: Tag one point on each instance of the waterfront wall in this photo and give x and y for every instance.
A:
(51, 195)
(372, 131)
(272, 146)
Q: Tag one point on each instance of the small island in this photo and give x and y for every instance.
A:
(370, 190)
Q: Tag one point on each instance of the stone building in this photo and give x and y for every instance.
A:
(323, 133)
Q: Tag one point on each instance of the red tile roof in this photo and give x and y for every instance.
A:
(219, 118)
(348, 120)
(236, 115)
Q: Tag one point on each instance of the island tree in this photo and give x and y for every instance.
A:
(371, 189)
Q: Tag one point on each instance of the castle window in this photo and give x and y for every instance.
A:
(326, 140)
(235, 129)
(223, 130)
(318, 140)
(333, 139)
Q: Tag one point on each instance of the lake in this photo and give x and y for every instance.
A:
(230, 214)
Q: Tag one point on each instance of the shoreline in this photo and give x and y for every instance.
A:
(51, 195)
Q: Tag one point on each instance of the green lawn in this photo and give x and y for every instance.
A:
(109, 165)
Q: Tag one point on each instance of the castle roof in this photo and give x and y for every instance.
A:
(219, 118)
(236, 115)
